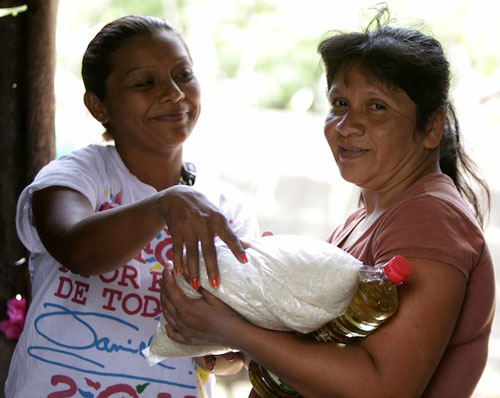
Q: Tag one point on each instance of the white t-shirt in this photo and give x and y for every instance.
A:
(84, 335)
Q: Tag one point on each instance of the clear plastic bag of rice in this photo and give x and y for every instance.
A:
(290, 283)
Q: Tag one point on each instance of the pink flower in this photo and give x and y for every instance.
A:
(16, 310)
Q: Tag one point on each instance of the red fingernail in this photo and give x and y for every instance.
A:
(214, 281)
(178, 271)
(244, 258)
(195, 283)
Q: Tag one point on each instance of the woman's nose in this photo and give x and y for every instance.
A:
(350, 123)
(171, 92)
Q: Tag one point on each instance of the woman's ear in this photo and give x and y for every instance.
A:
(435, 129)
(96, 107)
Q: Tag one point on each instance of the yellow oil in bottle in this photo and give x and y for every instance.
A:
(373, 303)
(376, 299)
(268, 385)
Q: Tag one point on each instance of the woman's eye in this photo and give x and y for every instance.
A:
(339, 106)
(377, 106)
(144, 83)
(185, 75)
(338, 103)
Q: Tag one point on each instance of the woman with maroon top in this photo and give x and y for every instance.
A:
(394, 134)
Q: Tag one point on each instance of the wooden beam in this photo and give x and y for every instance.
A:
(27, 136)
(40, 71)
(13, 279)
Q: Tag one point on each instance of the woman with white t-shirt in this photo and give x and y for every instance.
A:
(103, 221)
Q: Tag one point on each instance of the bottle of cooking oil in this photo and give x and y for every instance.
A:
(267, 384)
(375, 300)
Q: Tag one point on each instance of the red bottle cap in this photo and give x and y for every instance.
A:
(397, 269)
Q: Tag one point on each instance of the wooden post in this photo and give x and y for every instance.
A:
(40, 70)
(27, 110)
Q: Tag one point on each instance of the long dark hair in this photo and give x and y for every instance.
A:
(414, 62)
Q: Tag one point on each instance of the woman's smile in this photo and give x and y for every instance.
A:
(350, 152)
(177, 117)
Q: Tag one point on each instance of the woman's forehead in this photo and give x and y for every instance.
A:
(353, 74)
(160, 45)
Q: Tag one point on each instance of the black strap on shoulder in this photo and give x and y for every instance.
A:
(188, 174)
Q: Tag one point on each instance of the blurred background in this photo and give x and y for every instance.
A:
(264, 102)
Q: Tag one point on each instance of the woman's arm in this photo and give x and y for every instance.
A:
(397, 360)
(92, 243)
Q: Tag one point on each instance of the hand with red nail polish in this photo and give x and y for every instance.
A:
(194, 223)
(195, 321)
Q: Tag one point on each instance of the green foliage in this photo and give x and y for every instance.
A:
(249, 10)
(229, 59)
(119, 8)
(12, 11)
(289, 71)
(272, 43)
